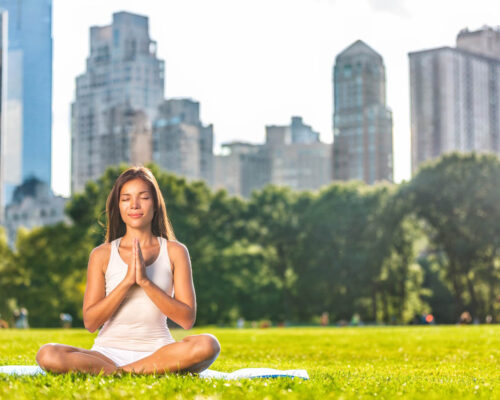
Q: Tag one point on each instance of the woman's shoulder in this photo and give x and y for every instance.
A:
(101, 254)
(175, 246)
(176, 249)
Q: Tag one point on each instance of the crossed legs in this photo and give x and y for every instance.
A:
(192, 354)
(61, 358)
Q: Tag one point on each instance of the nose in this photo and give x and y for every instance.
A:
(134, 203)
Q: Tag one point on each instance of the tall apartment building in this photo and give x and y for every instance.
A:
(3, 92)
(128, 137)
(33, 204)
(297, 158)
(296, 132)
(120, 90)
(362, 147)
(291, 156)
(26, 141)
(455, 97)
(302, 133)
(181, 143)
(245, 167)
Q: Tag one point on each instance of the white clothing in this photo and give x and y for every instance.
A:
(137, 325)
(121, 357)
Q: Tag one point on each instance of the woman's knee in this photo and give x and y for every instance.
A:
(208, 346)
(48, 355)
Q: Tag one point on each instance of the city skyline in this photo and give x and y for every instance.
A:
(273, 70)
(28, 96)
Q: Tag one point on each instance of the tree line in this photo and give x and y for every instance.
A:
(386, 252)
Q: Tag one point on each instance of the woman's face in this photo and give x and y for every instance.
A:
(136, 204)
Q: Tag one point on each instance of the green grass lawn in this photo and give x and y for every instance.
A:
(384, 362)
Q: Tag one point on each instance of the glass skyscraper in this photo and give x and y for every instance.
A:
(3, 71)
(362, 122)
(26, 144)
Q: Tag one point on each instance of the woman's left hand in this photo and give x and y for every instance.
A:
(141, 277)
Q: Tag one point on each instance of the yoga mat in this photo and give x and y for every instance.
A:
(208, 373)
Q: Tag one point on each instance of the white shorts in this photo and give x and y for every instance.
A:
(119, 356)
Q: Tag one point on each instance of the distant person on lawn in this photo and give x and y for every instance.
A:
(131, 281)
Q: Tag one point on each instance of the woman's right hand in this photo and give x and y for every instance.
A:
(130, 277)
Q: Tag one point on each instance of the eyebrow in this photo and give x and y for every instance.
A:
(128, 194)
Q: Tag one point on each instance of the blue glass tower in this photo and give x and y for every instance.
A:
(27, 151)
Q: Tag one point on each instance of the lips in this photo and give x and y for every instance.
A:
(135, 215)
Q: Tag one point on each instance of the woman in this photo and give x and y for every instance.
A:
(133, 300)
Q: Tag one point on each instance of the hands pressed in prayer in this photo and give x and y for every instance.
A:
(136, 273)
(141, 277)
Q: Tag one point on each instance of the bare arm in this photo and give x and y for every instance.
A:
(182, 308)
(97, 307)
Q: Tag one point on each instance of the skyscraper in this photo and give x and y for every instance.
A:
(455, 97)
(124, 81)
(292, 156)
(181, 143)
(297, 157)
(362, 122)
(3, 87)
(243, 168)
(301, 133)
(26, 150)
(33, 204)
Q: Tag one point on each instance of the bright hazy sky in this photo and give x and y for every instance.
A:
(252, 63)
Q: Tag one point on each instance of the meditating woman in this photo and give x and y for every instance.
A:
(131, 281)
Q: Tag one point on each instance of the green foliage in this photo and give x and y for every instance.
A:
(388, 253)
(53, 260)
(275, 215)
(459, 198)
(10, 277)
(348, 363)
(441, 302)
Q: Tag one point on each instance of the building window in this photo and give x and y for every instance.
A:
(347, 70)
(116, 37)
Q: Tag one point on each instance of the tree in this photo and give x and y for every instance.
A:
(274, 214)
(459, 198)
(10, 278)
(53, 260)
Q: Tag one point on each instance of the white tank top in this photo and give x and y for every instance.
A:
(137, 324)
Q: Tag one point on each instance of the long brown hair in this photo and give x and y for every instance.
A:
(160, 226)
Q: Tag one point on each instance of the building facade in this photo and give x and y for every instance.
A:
(297, 157)
(292, 156)
(3, 95)
(127, 138)
(362, 146)
(455, 97)
(123, 84)
(26, 150)
(243, 168)
(296, 132)
(302, 133)
(485, 41)
(181, 143)
(33, 205)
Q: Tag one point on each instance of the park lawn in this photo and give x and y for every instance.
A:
(431, 362)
